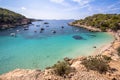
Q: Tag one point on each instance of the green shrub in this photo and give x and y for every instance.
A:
(97, 63)
(106, 58)
(103, 21)
(118, 49)
(62, 68)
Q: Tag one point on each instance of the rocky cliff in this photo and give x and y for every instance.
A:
(10, 19)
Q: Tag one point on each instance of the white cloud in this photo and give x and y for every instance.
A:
(57, 1)
(83, 2)
(61, 2)
(113, 8)
(75, 8)
(23, 8)
(114, 5)
(90, 8)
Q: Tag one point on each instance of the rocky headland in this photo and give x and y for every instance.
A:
(10, 19)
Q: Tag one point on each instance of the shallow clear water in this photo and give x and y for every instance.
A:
(39, 50)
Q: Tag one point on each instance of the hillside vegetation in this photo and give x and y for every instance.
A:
(102, 21)
(10, 19)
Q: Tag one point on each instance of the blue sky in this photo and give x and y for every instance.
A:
(61, 9)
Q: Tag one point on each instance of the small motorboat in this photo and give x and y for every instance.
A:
(54, 31)
(13, 34)
(35, 31)
(46, 23)
(37, 25)
(62, 27)
(42, 29)
(31, 24)
(18, 30)
(77, 30)
(26, 28)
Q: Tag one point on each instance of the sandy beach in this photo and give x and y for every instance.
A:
(90, 28)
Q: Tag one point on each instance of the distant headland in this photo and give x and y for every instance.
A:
(99, 22)
(10, 19)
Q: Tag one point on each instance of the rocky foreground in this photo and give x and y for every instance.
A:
(80, 73)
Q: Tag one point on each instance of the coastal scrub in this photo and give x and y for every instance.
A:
(101, 21)
(118, 49)
(98, 63)
(62, 68)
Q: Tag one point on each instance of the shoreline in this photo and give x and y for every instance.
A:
(90, 28)
(108, 48)
(105, 47)
(23, 22)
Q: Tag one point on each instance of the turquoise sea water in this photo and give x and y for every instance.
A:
(35, 50)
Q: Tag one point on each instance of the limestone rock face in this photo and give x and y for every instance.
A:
(80, 73)
(21, 74)
(27, 74)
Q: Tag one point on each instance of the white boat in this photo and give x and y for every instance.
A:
(26, 28)
(37, 25)
(17, 30)
(35, 31)
(77, 30)
(13, 34)
(46, 23)
(53, 31)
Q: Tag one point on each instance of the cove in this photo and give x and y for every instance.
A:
(32, 49)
